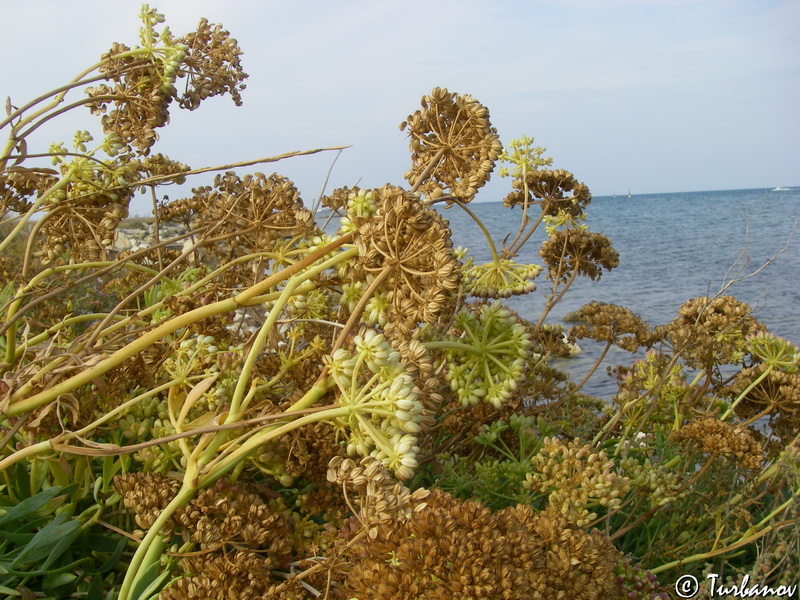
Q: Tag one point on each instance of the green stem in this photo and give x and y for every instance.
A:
(284, 274)
(706, 555)
(16, 404)
(223, 463)
(451, 345)
(241, 385)
(42, 447)
(19, 297)
(492, 247)
(747, 390)
(153, 544)
(49, 332)
(38, 203)
(19, 405)
(24, 453)
(748, 537)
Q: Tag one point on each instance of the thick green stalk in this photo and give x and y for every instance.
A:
(16, 404)
(704, 556)
(224, 463)
(747, 390)
(284, 274)
(19, 297)
(452, 345)
(195, 479)
(49, 332)
(235, 411)
(486, 234)
(47, 445)
(153, 544)
(38, 203)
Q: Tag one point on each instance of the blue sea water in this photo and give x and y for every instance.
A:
(672, 247)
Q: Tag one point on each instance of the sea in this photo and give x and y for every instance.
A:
(672, 247)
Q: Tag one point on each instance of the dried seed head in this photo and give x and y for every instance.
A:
(573, 249)
(720, 439)
(396, 232)
(711, 331)
(453, 142)
(612, 323)
(555, 191)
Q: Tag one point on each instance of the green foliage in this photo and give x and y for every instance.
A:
(47, 546)
(495, 470)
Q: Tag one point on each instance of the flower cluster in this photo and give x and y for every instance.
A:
(711, 331)
(142, 80)
(761, 391)
(243, 575)
(384, 407)
(142, 85)
(83, 215)
(232, 515)
(555, 191)
(578, 251)
(576, 478)
(551, 340)
(655, 373)
(636, 583)
(18, 184)
(523, 156)
(241, 538)
(146, 494)
(211, 65)
(338, 198)
(661, 485)
(409, 244)
(454, 548)
(499, 279)
(381, 497)
(613, 324)
(259, 209)
(486, 354)
(159, 165)
(774, 351)
(453, 145)
(718, 438)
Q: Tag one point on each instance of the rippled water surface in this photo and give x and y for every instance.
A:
(672, 247)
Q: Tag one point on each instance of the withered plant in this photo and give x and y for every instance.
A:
(258, 407)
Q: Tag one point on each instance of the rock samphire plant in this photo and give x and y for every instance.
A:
(337, 403)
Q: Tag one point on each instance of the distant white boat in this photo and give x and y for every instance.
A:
(782, 189)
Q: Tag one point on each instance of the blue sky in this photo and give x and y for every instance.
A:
(647, 95)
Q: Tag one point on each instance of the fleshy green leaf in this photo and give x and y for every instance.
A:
(50, 541)
(25, 510)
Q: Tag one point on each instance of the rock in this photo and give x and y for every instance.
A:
(575, 316)
(574, 348)
(141, 235)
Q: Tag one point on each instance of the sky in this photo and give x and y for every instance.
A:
(650, 96)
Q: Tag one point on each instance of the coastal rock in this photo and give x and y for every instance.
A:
(137, 235)
(575, 316)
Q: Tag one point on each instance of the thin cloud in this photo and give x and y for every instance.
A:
(659, 79)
